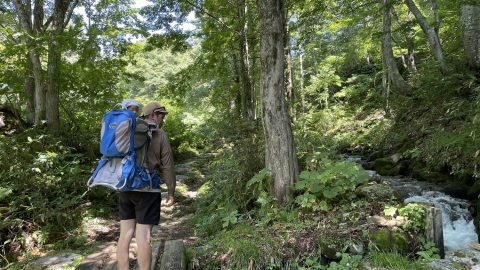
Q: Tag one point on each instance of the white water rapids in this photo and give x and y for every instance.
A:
(458, 227)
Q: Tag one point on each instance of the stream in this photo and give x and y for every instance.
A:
(458, 228)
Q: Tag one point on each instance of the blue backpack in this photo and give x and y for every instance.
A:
(122, 138)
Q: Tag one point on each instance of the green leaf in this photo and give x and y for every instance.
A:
(258, 178)
(300, 185)
(4, 192)
(330, 193)
(316, 187)
(305, 175)
(390, 211)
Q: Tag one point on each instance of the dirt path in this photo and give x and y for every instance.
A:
(173, 221)
(102, 233)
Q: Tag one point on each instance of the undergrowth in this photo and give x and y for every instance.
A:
(43, 197)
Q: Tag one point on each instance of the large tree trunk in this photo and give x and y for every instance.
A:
(280, 158)
(391, 75)
(53, 68)
(247, 101)
(431, 33)
(470, 19)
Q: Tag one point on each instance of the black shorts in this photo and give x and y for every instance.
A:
(142, 206)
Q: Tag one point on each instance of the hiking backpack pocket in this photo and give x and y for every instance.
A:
(123, 174)
(117, 133)
(115, 173)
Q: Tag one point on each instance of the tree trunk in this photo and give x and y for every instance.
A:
(288, 54)
(53, 68)
(29, 89)
(247, 101)
(431, 33)
(254, 83)
(39, 88)
(26, 23)
(392, 74)
(280, 158)
(470, 19)
(411, 51)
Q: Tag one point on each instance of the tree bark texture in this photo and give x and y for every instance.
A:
(431, 33)
(53, 67)
(288, 55)
(248, 104)
(280, 158)
(470, 18)
(391, 74)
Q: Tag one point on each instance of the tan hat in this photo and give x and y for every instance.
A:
(154, 107)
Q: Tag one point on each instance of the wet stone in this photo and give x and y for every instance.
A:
(467, 258)
(55, 262)
(378, 191)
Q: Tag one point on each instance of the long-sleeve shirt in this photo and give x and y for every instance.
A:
(160, 157)
(159, 153)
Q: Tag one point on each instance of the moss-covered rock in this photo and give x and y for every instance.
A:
(390, 240)
(385, 166)
(403, 167)
(457, 190)
(474, 191)
(434, 177)
(329, 249)
(378, 192)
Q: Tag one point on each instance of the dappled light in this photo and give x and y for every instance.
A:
(269, 134)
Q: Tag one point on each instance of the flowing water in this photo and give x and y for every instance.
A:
(458, 228)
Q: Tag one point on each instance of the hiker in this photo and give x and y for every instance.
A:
(132, 105)
(139, 210)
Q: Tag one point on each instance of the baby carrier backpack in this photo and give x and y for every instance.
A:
(124, 143)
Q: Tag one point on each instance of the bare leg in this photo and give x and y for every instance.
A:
(127, 228)
(144, 249)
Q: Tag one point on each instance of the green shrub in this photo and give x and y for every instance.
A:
(43, 195)
(229, 189)
(333, 181)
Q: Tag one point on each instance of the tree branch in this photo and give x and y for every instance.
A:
(202, 10)
(47, 23)
(437, 16)
(38, 15)
(22, 14)
(70, 13)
